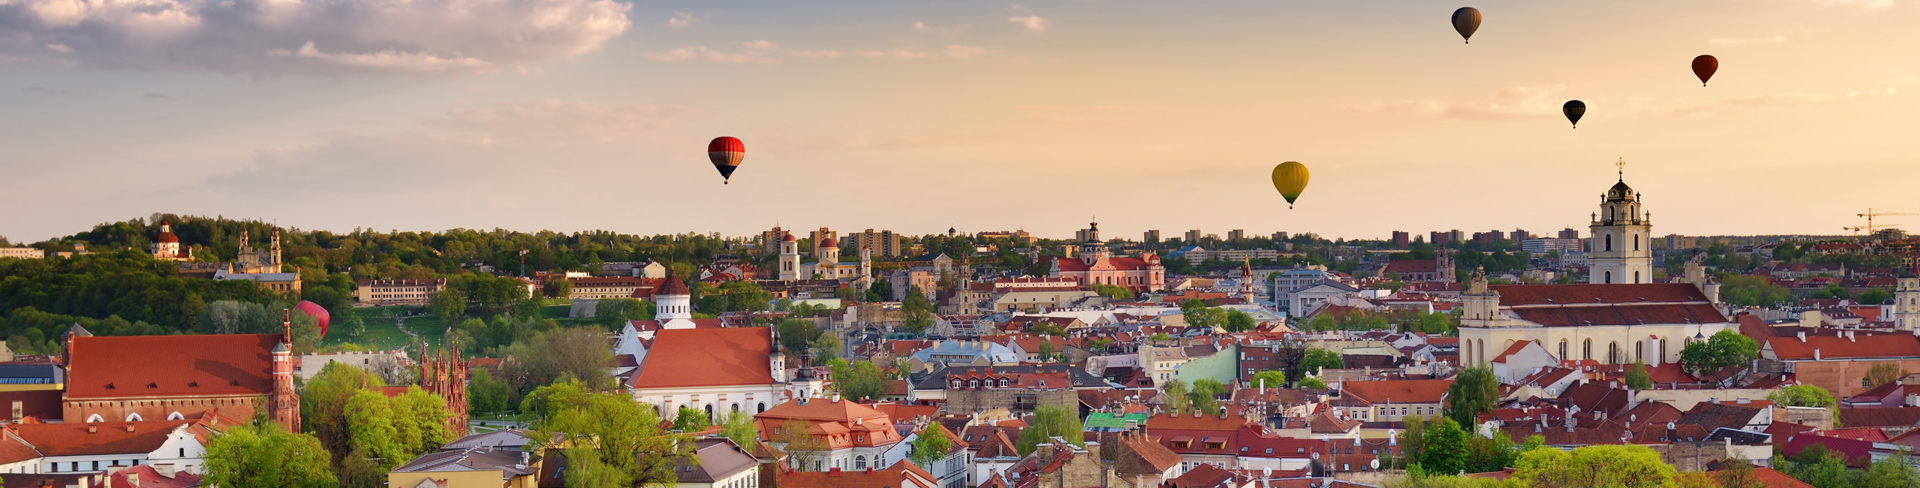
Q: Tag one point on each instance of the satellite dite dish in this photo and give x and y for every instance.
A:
(1375, 464)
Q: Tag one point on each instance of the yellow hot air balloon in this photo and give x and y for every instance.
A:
(1290, 178)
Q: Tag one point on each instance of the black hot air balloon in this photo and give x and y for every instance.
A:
(1465, 21)
(726, 153)
(1574, 109)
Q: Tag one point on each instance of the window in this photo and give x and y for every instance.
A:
(1586, 349)
(1639, 352)
(1613, 353)
(1609, 277)
(1563, 349)
(1636, 242)
(1609, 238)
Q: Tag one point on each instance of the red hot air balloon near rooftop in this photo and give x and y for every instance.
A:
(726, 153)
(1703, 66)
(319, 314)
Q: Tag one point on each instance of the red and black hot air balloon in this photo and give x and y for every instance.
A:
(1703, 66)
(726, 153)
(1465, 21)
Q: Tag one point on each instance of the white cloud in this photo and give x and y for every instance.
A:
(947, 31)
(1736, 41)
(273, 36)
(1518, 101)
(681, 19)
(1780, 99)
(764, 51)
(1032, 22)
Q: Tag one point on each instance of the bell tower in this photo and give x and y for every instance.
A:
(789, 258)
(1906, 304)
(1622, 247)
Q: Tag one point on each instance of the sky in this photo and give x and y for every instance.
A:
(576, 115)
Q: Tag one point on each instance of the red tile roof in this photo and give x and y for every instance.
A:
(1511, 295)
(171, 366)
(707, 357)
(902, 474)
(1775, 479)
(149, 478)
(1878, 417)
(1836, 347)
(78, 439)
(672, 286)
(1513, 349)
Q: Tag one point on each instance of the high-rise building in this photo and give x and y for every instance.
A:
(822, 235)
(1678, 242)
(1456, 236)
(1520, 235)
(1236, 235)
(884, 243)
(1193, 237)
(1401, 239)
(770, 240)
(1151, 236)
(1439, 239)
(1570, 233)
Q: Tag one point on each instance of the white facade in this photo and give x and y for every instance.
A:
(1906, 304)
(1622, 247)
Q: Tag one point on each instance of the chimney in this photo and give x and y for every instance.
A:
(129, 427)
(1816, 354)
(133, 479)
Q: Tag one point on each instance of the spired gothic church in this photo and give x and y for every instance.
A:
(1620, 316)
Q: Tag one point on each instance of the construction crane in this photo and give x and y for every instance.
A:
(1871, 213)
(1856, 229)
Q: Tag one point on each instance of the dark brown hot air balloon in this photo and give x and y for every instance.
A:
(1465, 21)
(1574, 109)
(726, 153)
(1703, 66)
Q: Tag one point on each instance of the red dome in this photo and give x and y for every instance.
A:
(319, 314)
(788, 238)
(166, 234)
(830, 242)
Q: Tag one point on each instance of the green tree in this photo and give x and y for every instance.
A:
(586, 470)
(557, 288)
(931, 446)
(1313, 383)
(1473, 392)
(916, 312)
(1883, 373)
(486, 395)
(1638, 378)
(1413, 444)
(1178, 398)
(1726, 349)
(1444, 447)
(265, 456)
(546, 356)
(1737, 473)
(1271, 379)
(1802, 396)
(394, 430)
(1874, 296)
(825, 347)
(1115, 292)
(614, 313)
(1893, 472)
(691, 419)
(1198, 314)
(323, 404)
(1752, 291)
(1204, 392)
(449, 305)
(1049, 422)
(1594, 466)
(624, 435)
(1045, 351)
(740, 429)
(1320, 358)
(1238, 321)
(1435, 324)
(1821, 468)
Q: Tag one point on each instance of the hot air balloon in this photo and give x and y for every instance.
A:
(1466, 20)
(319, 314)
(1703, 66)
(1290, 178)
(1574, 109)
(726, 153)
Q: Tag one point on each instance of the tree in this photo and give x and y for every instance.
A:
(1883, 373)
(1752, 291)
(1893, 472)
(1726, 349)
(1044, 351)
(624, 435)
(1177, 396)
(859, 381)
(1737, 473)
(394, 430)
(916, 312)
(586, 470)
(1473, 393)
(1638, 378)
(1313, 383)
(615, 312)
(1112, 291)
(932, 445)
(1444, 447)
(557, 288)
(1270, 379)
(265, 456)
(1819, 467)
(1204, 392)
(1874, 296)
(1320, 358)
(740, 429)
(1594, 466)
(690, 419)
(449, 305)
(880, 291)
(487, 395)
(803, 449)
(1238, 321)
(825, 347)
(1802, 396)
(1199, 315)
(323, 404)
(1413, 445)
(545, 356)
(1049, 422)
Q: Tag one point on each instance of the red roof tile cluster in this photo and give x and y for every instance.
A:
(1623, 314)
(707, 357)
(1836, 347)
(80, 439)
(902, 474)
(105, 367)
(1398, 391)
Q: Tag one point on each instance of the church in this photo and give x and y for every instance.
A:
(1096, 265)
(702, 364)
(1619, 317)
(826, 264)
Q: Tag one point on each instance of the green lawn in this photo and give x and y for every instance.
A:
(382, 333)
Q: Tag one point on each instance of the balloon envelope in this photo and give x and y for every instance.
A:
(1703, 66)
(1465, 21)
(1574, 109)
(319, 314)
(726, 153)
(1290, 178)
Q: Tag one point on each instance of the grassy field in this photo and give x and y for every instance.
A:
(383, 333)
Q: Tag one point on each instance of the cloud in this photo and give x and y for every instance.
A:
(306, 36)
(1510, 102)
(1032, 22)
(1736, 41)
(682, 19)
(47, 91)
(1779, 100)
(764, 51)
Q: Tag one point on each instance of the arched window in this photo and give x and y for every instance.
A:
(1586, 349)
(973, 383)
(1613, 353)
(134, 417)
(1482, 347)
(176, 416)
(860, 462)
(94, 419)
(1468, 352)
(709, 411)
(1639, 351)
(1662, 358)
(1607, 277)
(1636, 242)
(1563, 349)
(1636, 277)
(956, 383)
(1003, 382)
(1609, 238)
(763, 407)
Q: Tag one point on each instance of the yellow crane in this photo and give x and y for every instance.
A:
(1871, 213)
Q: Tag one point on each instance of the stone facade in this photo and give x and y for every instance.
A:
(1018, 401)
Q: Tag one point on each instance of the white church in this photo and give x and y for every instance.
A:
(706, 364)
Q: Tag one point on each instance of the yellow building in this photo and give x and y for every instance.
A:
(500, 459)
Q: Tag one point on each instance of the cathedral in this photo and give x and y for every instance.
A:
(251, 260)
(167, 247)
(1619, 317)
(827, 264)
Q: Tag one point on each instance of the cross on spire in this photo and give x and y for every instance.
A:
(1622, 164)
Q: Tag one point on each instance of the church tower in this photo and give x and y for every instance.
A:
(1622, 247)
(284, 407)
(1094, 250)
(789, 258)
(1906, 304)
(673, 304)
